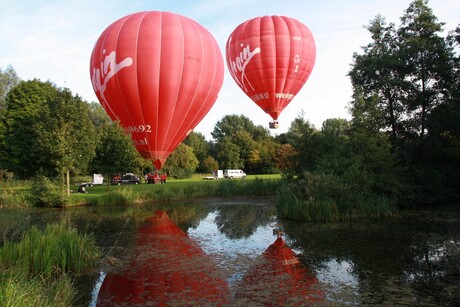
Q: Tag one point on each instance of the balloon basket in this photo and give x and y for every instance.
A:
(273, 125)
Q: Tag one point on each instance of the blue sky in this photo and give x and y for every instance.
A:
(52, 40)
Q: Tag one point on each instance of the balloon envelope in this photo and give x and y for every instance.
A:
(169, 269)
(271, 58)
(279, 279)
(158, 74)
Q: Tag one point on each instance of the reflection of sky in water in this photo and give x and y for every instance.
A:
(237, 255)
(234, 256)
(339, 282)
(212, 241)
(337, 272)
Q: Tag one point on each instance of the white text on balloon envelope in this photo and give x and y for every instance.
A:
(238, 66)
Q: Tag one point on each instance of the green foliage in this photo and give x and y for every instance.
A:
(241, 144)
(182, 163)
(229, 154)
(13, 197)
(406, 83)
(115, 153)
(18, 289)
(197, 141)
(45, 192)
(57, 249)
(8, 80)
(325, 198)
(45, 129)
(36, 270)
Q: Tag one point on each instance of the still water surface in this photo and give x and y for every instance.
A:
(228, 252)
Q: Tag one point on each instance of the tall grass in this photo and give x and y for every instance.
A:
(122, 196)
(324, 198)
(58, 248)
(13, 197)
(17, 288)
(36, 270)
(179, 190)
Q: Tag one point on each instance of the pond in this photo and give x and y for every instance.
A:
(237, 252)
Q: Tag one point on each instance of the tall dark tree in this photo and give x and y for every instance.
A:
(377, 76)
(426, 60)
(406, 82)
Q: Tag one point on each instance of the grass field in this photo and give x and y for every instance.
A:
(253, 185)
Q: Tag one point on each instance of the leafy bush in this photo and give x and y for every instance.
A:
(47, 193)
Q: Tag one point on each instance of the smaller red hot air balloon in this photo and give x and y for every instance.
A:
(158, 74)
(271, 58)
(279, 279)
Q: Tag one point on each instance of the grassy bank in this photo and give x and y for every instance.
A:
(38, 270)
(179, 189)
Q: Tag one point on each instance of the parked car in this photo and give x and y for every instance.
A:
(128, 178)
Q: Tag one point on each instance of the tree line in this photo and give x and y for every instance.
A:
(401, 146)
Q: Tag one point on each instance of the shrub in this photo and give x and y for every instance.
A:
(45, 192)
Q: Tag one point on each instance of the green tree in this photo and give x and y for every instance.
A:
(115, 152)
(377, 76)
(182, 163)
(8, 80)
(426, 59)
(200, 147)
(45, 129)
(406, 82)
(228, 154)
(256, 147)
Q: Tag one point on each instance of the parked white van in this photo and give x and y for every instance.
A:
(234, 173)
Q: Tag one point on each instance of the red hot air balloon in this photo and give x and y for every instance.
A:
(158, 74)
(169, 269)
(279, 279)
(271, 58)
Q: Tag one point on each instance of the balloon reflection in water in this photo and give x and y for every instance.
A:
(279, 279)
(168, 269)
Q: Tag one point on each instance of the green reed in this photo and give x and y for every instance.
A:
(58, 248)
(318, 208)
(17, 288)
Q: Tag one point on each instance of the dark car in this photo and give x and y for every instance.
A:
(126, 179)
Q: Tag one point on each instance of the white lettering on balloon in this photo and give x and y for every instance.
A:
(101, 75)
(238, 66)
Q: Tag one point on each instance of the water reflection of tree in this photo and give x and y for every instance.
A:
(399, 260)
(242, 220)
(187, 216)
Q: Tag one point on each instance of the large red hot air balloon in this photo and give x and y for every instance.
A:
(169, 269)
(159, 74)
(271, 58)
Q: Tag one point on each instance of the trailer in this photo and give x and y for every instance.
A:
(216, 174)
(97, 179)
